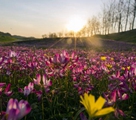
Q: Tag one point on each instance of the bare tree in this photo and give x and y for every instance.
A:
(44, 36)
(92, 26)
(134, 14)
(71, 33)
(119, 14)
(110, 11)
(127, 14)
(89, 28)
(83, 31)
(78, 34)
(60, 34)
(105, 19)
(53, 35)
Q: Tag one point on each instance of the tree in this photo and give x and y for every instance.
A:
(44, 36)
(60, 34)
(53, 35)
(127, 14)
(134, 14)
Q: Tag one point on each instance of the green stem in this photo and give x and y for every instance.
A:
(1, 105)
(42, 108)
(43, 102)
(77, 114)
(26, 116)
(90, 118)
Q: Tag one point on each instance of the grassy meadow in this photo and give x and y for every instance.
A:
(52, 81)
(44, 83)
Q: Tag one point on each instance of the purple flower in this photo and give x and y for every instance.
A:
(38, 94)
(2, 84)
(45, 82)
(8, 92)
(116, 76)
(82, 116)
(38, 79)
(133, 69)
(16, 110)
(118, 112)
(60, 58)
(12, 54)
(28, 89)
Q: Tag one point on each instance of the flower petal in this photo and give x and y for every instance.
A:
(2, 84)
(83, 101)
(91, 103)
(99, 103)
(104, 111)
(88, 102)
(82, 116)
(24, 108)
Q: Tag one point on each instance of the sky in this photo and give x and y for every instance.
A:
(37, 17)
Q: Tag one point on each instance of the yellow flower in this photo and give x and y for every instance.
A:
(109, 66)
(123, 68)
(93, 108)
(112, 58)
(128, 67)
(103, 58)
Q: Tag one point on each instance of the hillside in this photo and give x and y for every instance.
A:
(7, 38)
(93, 43)
(127, 36)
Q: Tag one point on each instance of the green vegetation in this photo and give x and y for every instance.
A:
(56, 84)
(6, 37)
(127, 36)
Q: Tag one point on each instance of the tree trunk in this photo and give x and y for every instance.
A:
(134, 15)
(127, 16)
(119, 23)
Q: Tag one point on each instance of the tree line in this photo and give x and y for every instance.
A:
(116, 16)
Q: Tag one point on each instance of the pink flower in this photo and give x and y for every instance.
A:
(7, 91)
(118, 113)
(12, 54)
(27, 89)
(43, 82)
(38, 94)
(2, 84)
(16, 110)
(38, 79)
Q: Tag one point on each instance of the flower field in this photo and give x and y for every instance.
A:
(48, 84)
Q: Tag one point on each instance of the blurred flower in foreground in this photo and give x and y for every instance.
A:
(2, 84)
(94, 109)
(12, 54)
(16, 110)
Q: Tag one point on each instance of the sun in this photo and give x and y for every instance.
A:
(75, 24)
